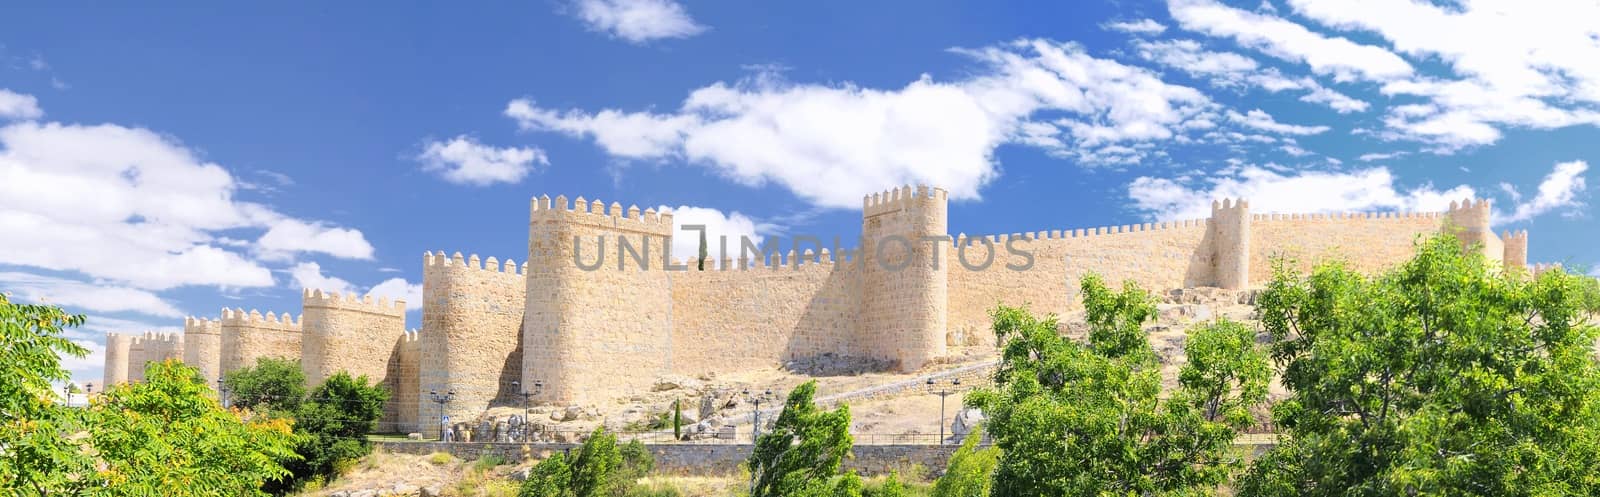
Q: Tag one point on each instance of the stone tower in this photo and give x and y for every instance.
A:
(599, 300)
(405, 405)
(1516, 250)
(1230, 235)
(202, 347)
(1469, 222)
(249, 336)
(119, 357)
(347, 333)
(905, 251)
(136, 358)
(471, 344)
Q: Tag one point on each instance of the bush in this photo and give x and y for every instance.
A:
(331, 427)
(275, 386)
(971, 470)
(440, 458)
(598, 468)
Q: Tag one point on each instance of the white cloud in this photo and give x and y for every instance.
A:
(134, 207)
(78, 296)
(733, 225)
(1261, 120)
(1231, 70)
(18, 105)
(1273, 192)
(309, 275)
(1142, 26)
(288, 236)
(638, 21)
(398, 288)
(464, 161)
(1559, 190)
(1345, 60)
(1375, 156)
(833, 144)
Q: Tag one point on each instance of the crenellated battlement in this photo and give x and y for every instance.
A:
(201, 326)
(963, 239)
(350, 302)
(254, 319)
(903, 198)
(596, 213)
(439, 261)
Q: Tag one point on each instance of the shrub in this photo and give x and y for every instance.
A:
(440, 458)
(971, 470)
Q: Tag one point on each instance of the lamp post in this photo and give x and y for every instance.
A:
(538, 388)
(933, 388)
(755, 426)
(444, 403)
(222, 392)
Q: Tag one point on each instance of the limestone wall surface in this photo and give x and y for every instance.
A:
(137, 358)
(1155, 255)
(737, 319)
(118, 359)
(905, 288)
(348, 333)
(250, 336)
(202, 347)
(1366, 241)
(599, 321)
(402, 413)
(470, 342)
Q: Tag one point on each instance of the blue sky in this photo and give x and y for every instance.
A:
(163, 162)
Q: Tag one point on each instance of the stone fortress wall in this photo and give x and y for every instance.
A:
(600, 309)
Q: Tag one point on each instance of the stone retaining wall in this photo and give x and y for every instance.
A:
(698, 459)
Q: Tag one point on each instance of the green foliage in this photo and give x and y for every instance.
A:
(1089, 418)
(169, 436)
(803, 450)
(1439, 377)
(331, 425)
(440, 458)
(34, 455)
(677, 420)
(598, 468)
(273, 385)
(970, 472)
(890, 487)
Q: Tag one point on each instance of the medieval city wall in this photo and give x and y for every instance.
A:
(403, 412)
(250, 336)
(119, 359)
(348, 333)
(590, 332)
(202, 347)
(1157, 256)
(1367, 242)
(904, 294)
(471, 343)
(737, 317)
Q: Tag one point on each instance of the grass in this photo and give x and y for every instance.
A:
(440, 458)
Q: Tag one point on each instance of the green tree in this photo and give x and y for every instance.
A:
(802, 452)
(273, 385)
(1090, 419)
(332, 426)
(598, 468)
(970, 472)
(35, 456)
(169, 436)
(1442, 376)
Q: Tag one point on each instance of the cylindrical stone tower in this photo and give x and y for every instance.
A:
(202, 347)
(905, 290)
(1230, 225)
(137, 358)
(118, 350)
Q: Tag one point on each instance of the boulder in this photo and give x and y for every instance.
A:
(403, 489)
(521, 474)
(430, 491)
(675, 382)
(413, 436)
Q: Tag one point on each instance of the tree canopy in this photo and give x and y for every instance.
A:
(1443, 376)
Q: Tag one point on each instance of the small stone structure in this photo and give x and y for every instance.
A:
(600, 309)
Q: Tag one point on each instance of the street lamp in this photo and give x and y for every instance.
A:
(222, 392)
(933, 388)
(444, 402)
(538, 388)
(755, 427)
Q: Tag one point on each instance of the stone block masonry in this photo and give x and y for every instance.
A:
(600, 310)
(202, 347)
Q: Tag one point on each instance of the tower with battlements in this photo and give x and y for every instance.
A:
(906, 263)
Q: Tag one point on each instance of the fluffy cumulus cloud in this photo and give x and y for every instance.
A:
(638, 21)
(1561, 190)
(15, 105)
(462, 160)
(399, 289)
(1270, 190)
(832, 144)
(716, 225)
(79, 295)
(1461, 89)
(157, 215)
(1263, 121)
